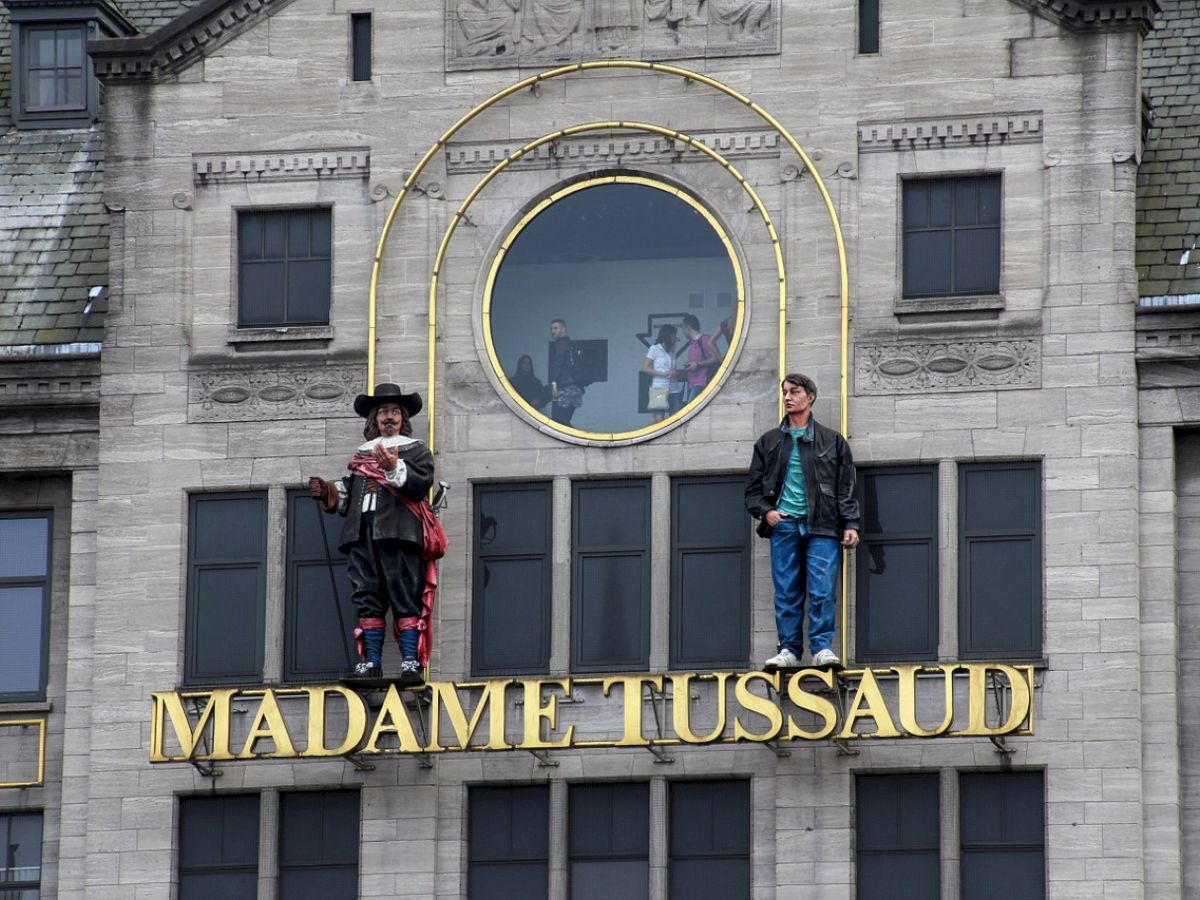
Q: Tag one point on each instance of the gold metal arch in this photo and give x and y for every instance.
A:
(688, 75)
(567, 132)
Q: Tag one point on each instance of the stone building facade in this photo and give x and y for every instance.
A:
(966, 221)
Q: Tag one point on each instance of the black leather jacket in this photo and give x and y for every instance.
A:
(829, 479)
(392, 520)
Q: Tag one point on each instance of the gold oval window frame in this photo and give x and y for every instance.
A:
(544, 422)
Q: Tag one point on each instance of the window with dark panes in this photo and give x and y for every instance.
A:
(218, 847)
(898, 836)
(896, 589)
(952, 236)
(609, 841)
(868, 26)
(55, 68)
(709, 840)
(710, 573)
(1003, 830)
(318, 845)
(510, 610)
(227, 549)
(610, 576)
(24, 604)
(318, 599)
(360, 46)
(21, 859)
(284, 267)
(508, 843)
(1000, 560)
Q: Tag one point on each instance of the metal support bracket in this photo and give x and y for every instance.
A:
(999, 697)
(658, 699)
(208, 770)
(775, 748)
(543, 758)
(356, 760)
(842, 688)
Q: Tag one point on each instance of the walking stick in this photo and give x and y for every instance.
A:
(337, 601)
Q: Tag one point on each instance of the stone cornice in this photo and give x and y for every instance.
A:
(480, 156)
(49, 383)
(1079, 15)
(281, 165)
(945, 132)
(180, 43)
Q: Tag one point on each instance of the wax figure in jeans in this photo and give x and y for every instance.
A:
(801, 488)
(384, 534)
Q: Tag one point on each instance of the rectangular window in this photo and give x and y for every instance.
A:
(952, 236)
(510, 610)
(55, 68)
(610, 576)
(868, 26)
(710, 573)
(609, 841)
(896, 595)
(710, 840)
(1000, 560)
(284, 268)
(318, 845)
(21, 859)
(227, 550)
(24, 604)
(508, 843)
(898, 836)
(1003, 832)
(218, 847)
(360, 46)
(316, 574)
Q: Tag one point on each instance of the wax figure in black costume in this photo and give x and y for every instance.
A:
(390, 535)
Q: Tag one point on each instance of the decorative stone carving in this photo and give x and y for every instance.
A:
(947, 366)
(485, 34)
(275, 391)
(469, 157)
(942, 133)
(281, 165)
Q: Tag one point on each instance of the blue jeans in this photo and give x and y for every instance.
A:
(803, 564)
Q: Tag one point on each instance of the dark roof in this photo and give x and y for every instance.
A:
(1168, 216)
(53, 225)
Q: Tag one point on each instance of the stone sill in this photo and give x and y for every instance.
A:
(906, 306)
(25, 706)
(263, 338)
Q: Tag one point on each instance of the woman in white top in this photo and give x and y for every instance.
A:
(660, 365)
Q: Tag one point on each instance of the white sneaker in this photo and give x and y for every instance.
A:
(826, 658)
(784, 659)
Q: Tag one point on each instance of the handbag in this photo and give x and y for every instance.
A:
(656, 399)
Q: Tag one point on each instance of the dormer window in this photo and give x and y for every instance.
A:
(54, 85)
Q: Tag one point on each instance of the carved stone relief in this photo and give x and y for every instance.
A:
(951, 365)
(272, 392)
(503, 33)
(467, 157)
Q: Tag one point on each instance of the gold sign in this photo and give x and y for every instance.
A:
(950, 700)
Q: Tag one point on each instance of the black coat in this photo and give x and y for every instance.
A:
(392, 520)
(829, 479)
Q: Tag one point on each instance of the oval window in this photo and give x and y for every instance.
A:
(612, 306)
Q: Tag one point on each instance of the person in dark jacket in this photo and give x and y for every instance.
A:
(566, 394)
(383, 534)
(801, 488)
(528, 385)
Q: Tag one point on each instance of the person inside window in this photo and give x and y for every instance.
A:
(659, 364)
(702, 358)
(566, 394)
(528, 385)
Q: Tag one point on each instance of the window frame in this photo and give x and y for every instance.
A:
(352, 798)
(185, 869)
(580, 553)
(538, 793)
(480, 558)
(863, 559)
(955, 180)
(6, 817)
(897, 781)
(361, 47)
(679, 659)
(966, 848)
(242, 301)
(46, 582)
(868, 37)
(192, 650)
(612, 855)
(1036, 538)
(674, 789)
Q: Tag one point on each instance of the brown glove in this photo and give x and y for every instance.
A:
(326, 492)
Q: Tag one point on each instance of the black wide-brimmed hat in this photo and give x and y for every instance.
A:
(364, 404)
